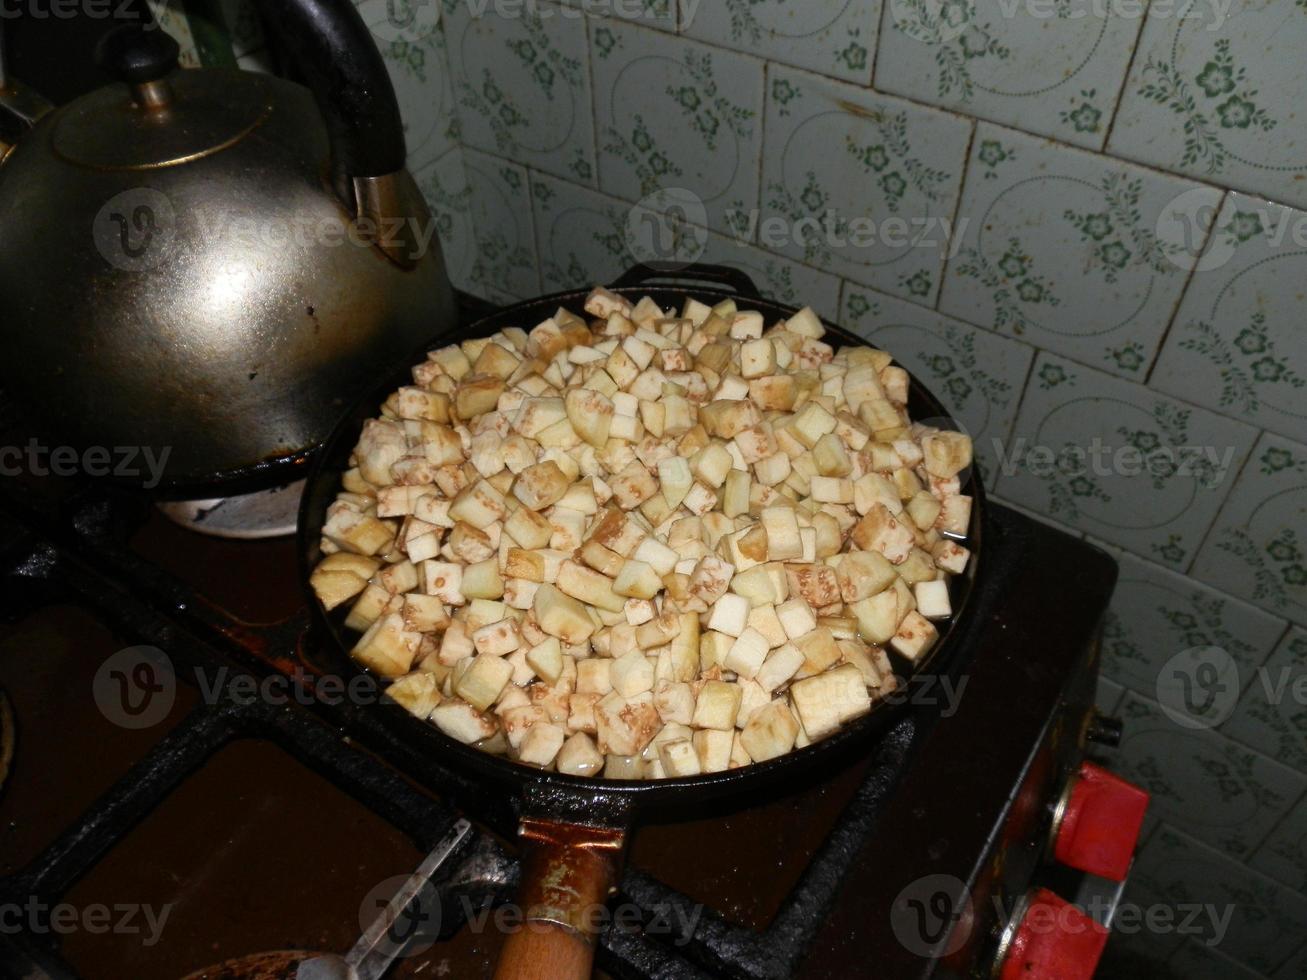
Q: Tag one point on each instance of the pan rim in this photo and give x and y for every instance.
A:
(509, 773)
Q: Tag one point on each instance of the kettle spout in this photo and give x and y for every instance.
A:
(392, 215)
(20, 109)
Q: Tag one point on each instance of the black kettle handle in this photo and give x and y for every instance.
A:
(338, 57)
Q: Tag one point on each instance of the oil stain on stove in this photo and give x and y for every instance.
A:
(66, 751)
(254, 852)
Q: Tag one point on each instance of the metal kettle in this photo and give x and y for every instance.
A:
(203, 262)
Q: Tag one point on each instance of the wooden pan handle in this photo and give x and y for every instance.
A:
(568, 873)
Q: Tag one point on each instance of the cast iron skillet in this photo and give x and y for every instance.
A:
(574, 828)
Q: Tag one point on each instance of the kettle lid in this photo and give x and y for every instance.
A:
(162, 117)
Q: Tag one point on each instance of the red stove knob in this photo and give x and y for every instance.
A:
(1099, 819)
(1052, 940)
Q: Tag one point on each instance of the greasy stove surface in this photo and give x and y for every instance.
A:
(265, 830)
(212, 824)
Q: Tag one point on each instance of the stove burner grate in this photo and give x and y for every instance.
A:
(84, 557)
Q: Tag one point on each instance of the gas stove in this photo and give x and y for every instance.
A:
(179, 796)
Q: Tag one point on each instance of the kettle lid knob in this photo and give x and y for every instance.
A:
(139, 55)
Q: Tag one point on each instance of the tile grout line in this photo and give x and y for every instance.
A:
(1288, 815)
(873, 51)
(1288, 811)
(1190, 839)
(1231, 740)
(531, 219)
(531, 176)
(594, 113)
(819, 77)
(1286, 627)
(881, 33)
(1225, 500)
(1136, 46)
(1184, 289)
(767, 66)
(999, 475)
(957, 210)
(1292, 955)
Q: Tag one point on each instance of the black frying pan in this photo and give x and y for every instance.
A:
(574, 828)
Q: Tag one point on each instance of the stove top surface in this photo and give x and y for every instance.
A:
(226, 813)
(258, 826)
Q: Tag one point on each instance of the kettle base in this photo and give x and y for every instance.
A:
(270, 513)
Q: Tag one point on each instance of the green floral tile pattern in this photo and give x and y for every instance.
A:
(173, 19)
(1057, 74)
(1060, 248)
(523, 86)
(656, 13)
(583, 238)
(241, 18)
(1225, 795)
(1156, 614)
(1120, 461)
(1238, 345)
(1283, 855)
(1263, 914)
(676, 113)
(877, 207)
(1272, 715)
(1258, 548)
(444, 185)
(977, 375)
(1109, 695)
(833, 37)
(417, 61)
(580, 235)
(505, 257)
(778, 278)
(1218, 100)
